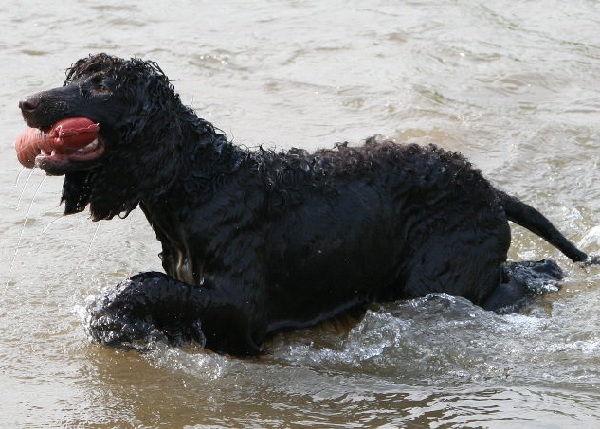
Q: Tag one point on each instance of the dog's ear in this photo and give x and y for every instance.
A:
(153, 106)
(76, 191)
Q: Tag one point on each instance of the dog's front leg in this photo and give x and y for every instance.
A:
(148, 306)
(155, 307)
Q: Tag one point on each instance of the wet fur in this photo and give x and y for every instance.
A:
(254, 242)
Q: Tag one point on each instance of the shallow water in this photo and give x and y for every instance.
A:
(513, 85)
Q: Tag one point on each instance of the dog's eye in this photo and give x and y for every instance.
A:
(101, 88)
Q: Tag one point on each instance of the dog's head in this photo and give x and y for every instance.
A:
(131, 116)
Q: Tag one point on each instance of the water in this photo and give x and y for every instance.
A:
(513, 85)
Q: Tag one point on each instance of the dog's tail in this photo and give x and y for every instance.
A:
(528, 217)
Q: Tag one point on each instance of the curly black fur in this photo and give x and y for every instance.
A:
(259, 241)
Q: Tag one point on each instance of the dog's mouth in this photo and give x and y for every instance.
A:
(69, 145)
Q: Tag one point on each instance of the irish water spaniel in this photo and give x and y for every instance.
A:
(255, 242)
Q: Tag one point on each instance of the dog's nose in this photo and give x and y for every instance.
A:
(29, 104)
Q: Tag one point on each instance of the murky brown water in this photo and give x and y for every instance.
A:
(514, 85)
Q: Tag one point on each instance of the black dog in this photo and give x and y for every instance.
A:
(257, 241)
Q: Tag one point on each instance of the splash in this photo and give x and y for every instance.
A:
(437, 338)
